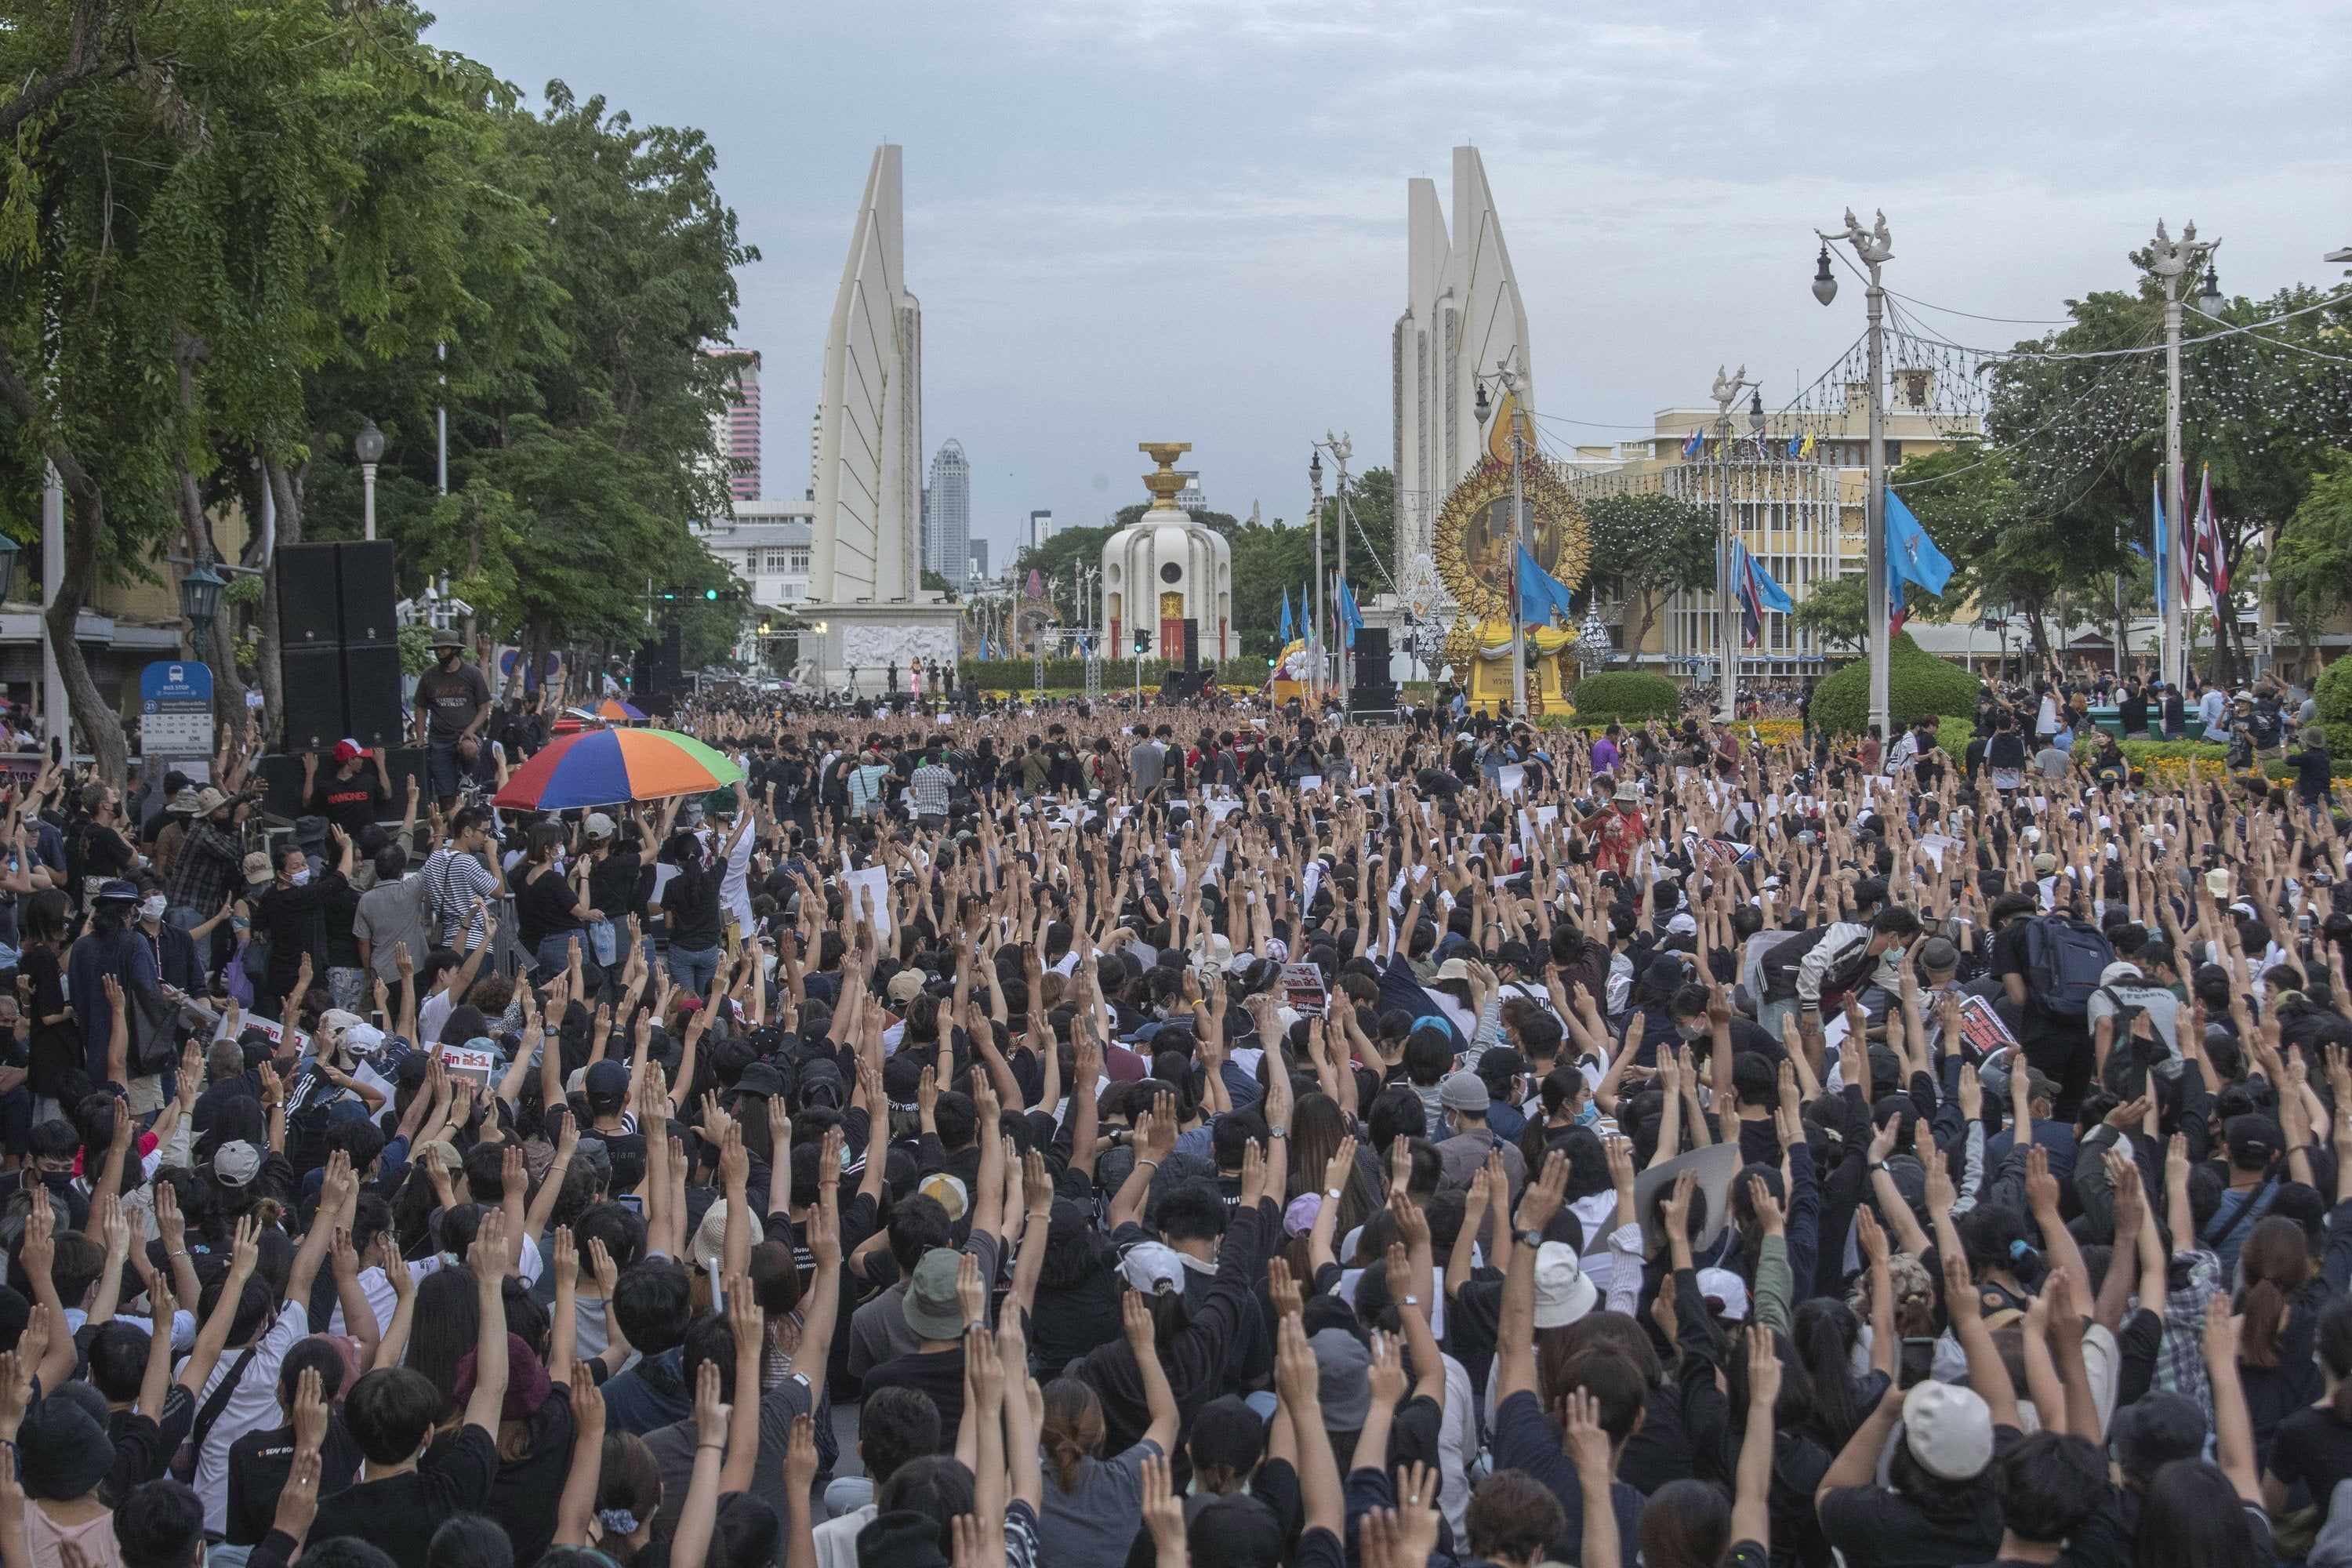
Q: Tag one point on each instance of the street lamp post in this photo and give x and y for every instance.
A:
(368, 447)
(1314, 637)
(1874, 246)
(1341, 449)
(2172, 261)
(1725, 392)
(1511, 379)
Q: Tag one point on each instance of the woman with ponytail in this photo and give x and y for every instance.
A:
(2279, 1299)
(1825, 1331)
(1091, 1504)
(2313, 1450)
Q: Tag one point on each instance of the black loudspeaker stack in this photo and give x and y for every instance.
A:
(1373, 695)
(339, 644)
(660, 671)
(1191, 646)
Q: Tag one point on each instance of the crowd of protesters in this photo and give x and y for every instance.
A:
(1121, 1135)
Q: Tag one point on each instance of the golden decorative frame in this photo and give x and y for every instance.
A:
(1555, 511)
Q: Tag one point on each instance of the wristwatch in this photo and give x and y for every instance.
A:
(1278, 1131)
(1532, 1237)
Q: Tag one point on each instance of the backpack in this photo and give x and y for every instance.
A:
(2063, 960)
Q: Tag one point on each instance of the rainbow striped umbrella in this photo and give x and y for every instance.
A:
(604, 767)
(613, 710)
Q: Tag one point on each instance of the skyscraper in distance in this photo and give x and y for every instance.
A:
(739, 427)
(1041, 529)
(948, 512)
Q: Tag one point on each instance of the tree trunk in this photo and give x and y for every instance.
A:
(84, 530)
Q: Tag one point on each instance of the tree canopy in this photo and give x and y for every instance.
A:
(230, 233)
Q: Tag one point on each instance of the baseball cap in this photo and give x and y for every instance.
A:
(1344, 1378)
(1948, 1430)
(348, 749)
(2044, 864)
(115, 891)
(1726, 1293)
(905, 987)
(598, 826)
(1153, 1268)
(257, 867)
(946, 1191)
(1463, 1091)
(235, 1164)
(606, 1085)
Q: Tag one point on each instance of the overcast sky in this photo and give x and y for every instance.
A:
(1184, 219)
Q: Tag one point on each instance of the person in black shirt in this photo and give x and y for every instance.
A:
(548, 903)
(354, 794)
(291, 916)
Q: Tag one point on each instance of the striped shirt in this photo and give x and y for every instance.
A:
(453, 880)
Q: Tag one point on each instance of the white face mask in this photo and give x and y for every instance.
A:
(153, 908)
(300, 877)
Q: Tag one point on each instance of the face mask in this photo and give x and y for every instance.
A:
(300, 877)
(1590, 1114)
(1689, 1031)
(153, 908)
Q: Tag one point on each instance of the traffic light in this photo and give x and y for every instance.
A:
(712, 594)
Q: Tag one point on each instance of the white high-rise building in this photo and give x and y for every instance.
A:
(947, 513)
(1462, 315)
(1041, 529)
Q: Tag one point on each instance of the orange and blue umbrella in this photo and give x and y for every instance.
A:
(613, 710)
(605, 767)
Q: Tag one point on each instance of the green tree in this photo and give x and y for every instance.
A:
(939, 584)
(2311, 576)
(2081, 439)
(1270, 560)
(1837, 611)
(1645, 547)
(1071, 548)
(195, 202)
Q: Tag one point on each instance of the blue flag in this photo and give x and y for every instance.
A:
(1289, 628)
(1756, 591)
(1351, 619)
(2163, 555)
(1695, 444)
(1542, 595)
(1911, 556)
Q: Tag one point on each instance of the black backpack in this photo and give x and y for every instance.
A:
(2063, 960)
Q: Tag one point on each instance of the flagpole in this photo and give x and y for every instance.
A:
(1874, 246)
(2172, 261)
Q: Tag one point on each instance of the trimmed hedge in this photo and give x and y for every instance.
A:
(1917, 684)
(1020, 674)
(1625, 697)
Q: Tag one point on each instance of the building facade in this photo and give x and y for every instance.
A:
(768, 544)
(1795, 491)
(1041, 529)
(977, 561)
(948, 512)
(739, 427)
